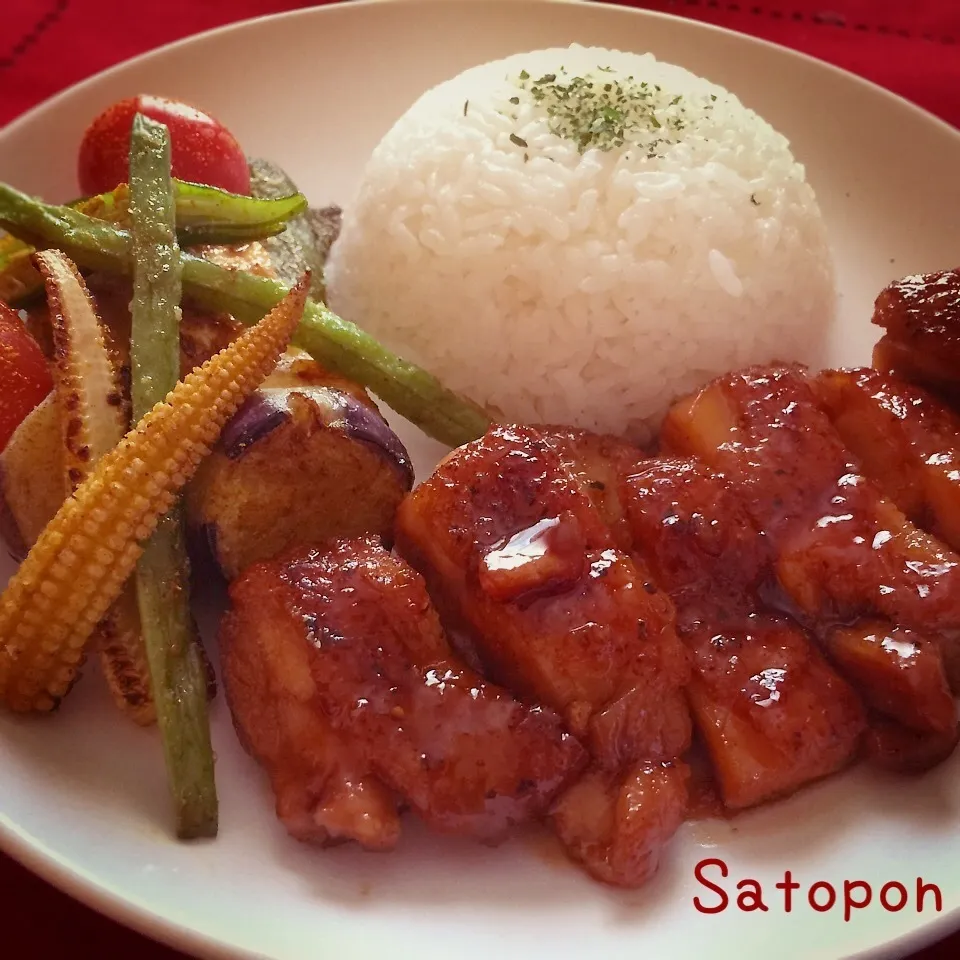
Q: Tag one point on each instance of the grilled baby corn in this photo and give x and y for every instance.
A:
(93, 422)
(90, 400)
(79, 564)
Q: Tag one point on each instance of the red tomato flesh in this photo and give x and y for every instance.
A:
(202, 150)
(24, 374)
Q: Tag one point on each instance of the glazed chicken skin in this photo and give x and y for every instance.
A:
(324, 792)
(617, 825)
(716, 564)
(516, 553)
(842, 548)
(770, 592)
(342, 684)
(921, 344)
(843, 552)
(904, 439)
(898, 672)
(772, 713)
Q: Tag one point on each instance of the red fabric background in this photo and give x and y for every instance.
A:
(909, 47)
(46, 45)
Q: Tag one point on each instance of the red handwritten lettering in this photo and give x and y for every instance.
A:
(751, 896)
(812, 896)
(923, 889)
(710, 885)
(849, 903)
(787, 885)
(885, 899)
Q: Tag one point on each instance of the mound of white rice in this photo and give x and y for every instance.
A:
(581, 235)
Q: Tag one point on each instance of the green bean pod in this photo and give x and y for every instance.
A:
(204, 215)
(333, 342)
(177, 671)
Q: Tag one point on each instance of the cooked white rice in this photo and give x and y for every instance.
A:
(594, 287)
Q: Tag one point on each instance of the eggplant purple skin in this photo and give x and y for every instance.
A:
(361, 422)
(259, 415)
(268, 408)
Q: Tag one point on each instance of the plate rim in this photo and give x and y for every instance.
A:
(30, 851)
(34, 855)
(331, 6)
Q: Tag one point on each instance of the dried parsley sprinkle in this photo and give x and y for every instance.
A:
(519, 141)
(608, 113)
(466, 104)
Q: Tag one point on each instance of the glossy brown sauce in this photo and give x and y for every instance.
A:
(705, 800)
(512, 546)
(770, 712)
(842, 551)
(784, 578)
(545, 558)
(463, 752)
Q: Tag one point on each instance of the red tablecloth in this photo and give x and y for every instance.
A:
(46, 45)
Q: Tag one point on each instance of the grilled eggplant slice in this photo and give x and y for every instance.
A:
(308, 458)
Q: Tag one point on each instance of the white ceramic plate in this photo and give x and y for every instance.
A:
(82, 795)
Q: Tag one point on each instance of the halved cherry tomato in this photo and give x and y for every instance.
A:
(202, 150)
(24, 374)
